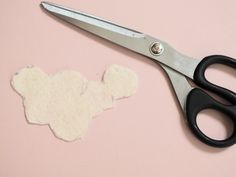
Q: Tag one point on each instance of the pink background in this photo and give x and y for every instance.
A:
(144, 135)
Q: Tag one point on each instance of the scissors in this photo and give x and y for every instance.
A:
(179, 68)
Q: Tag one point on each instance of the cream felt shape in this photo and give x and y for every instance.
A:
(67, 101)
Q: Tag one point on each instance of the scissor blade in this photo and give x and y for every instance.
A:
(180, 85)
(122, 36)
(125, 37)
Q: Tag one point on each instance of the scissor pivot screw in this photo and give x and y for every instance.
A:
(156, 48)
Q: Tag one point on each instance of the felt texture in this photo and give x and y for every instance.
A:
(67, 101)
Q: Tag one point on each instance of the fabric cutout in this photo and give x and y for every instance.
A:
(67, 101)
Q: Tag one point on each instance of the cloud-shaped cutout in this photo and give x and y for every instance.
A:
(67, 101)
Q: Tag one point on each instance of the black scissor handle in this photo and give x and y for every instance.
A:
(197, 101)
(200, 80)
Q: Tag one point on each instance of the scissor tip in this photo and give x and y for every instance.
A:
(42, 3)
(45, 4)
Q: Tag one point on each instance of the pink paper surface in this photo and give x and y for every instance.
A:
(144, 135)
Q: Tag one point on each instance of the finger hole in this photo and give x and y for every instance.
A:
(220, 74)
(215, 124)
